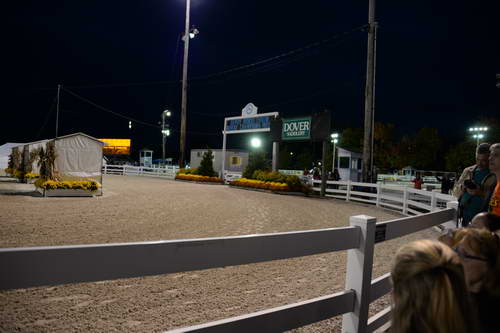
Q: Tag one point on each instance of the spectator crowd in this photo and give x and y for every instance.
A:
(452, 285)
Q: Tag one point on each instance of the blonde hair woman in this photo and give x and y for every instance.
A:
(430, 294)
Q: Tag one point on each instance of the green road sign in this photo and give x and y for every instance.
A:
(296, 129)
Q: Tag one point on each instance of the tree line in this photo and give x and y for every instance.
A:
(426, 149)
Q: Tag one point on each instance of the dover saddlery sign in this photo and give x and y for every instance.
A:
(296, 129)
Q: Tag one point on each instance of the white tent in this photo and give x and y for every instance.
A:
(78, 156)
(5, 151)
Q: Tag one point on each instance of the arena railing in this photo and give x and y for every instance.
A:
(56, 265)
(128, 170)
(406, 200)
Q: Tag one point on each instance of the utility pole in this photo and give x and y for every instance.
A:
(163, 138)
(57, 109)
(184, 88)
(369, 96)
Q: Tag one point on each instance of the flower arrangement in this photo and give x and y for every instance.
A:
(18, 174)
(88, 185)
(31, 175)
(254, 183)
(197, 178)
(273, 180)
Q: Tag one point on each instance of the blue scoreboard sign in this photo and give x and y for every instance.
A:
(239, 124)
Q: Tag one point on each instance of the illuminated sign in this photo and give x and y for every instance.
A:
(116, 146)
(248, 124)
(296, 129)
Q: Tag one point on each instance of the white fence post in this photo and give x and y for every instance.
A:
(433, 201)
(378, 194)
(348, 195)
(454, 205)
(359, 274)
(405, 201)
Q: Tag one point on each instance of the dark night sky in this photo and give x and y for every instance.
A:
(436, 65)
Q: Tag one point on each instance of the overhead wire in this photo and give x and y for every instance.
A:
(108, 110)
(127, 117)
(258, 66)
(46, 118)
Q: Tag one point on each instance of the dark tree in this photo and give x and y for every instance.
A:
(206, 167)
(256, 161)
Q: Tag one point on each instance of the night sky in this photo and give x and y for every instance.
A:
(436, 65)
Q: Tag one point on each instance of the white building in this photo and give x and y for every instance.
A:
(350, 165)
(236, 160)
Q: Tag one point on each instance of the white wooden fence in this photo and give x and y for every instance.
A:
(128, 170)
(54, 265)
(406, 200)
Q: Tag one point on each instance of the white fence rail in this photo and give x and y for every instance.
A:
(406, 200)
(37, 266)
(128, 170)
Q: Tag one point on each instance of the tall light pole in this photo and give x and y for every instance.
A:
(165, 131)
(184, 87)
(335, 140)
(369, 95)
(57, 109)
(478, 133)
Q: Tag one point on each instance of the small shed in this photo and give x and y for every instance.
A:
(146, 158)
(349, 165)
(409, 171)
(236, 160)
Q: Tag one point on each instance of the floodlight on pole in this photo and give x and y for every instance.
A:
(478, 133)
(335, 140)
(165, 131)
(256, 142)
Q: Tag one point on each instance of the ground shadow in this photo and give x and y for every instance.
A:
(23, 193)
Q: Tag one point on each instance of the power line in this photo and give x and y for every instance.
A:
(46, 118)
(108, 110)
(248, 69)
(127, 117)
(284, 55)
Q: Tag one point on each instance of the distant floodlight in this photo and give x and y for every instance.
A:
(129, 124)
(255, 142)
(167, 113)
(193, 32)
(335, 140)
(470, 129)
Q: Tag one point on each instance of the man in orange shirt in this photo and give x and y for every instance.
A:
(495, 168)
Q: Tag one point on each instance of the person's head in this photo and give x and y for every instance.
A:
(479, 252)
(429, 290)
(486, 221)
(482, 155)
(494, 158)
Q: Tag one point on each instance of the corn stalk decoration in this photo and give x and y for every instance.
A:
(15, 159)
(34, 154)
(46, 161)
